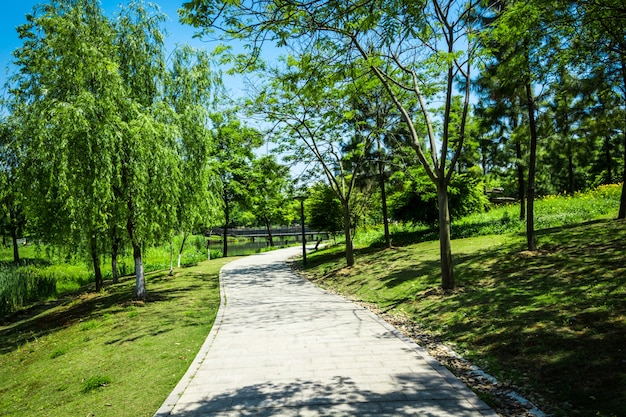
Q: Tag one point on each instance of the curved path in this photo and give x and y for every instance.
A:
(281, 346)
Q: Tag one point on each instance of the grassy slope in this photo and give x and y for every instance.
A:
(552, 321)
(52, 354)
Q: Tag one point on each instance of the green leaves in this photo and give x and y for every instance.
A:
(110, 139)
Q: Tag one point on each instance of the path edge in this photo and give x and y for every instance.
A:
(172, 399)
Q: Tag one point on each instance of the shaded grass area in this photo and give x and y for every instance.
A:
(103, 353)
(551, 321)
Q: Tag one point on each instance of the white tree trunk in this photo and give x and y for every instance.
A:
(140, 278)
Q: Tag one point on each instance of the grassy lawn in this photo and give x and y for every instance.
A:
(552, 322)
(104, 354)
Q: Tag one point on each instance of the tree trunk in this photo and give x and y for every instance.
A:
(570, 167)
(531, 238)
(182, 246)
(140, 279)
(383, 195)
(521, 187)
(114, 271)
(16, 249)
(445, 248)
(14, 225)
(348, 234)
(96, 264)
(608, 160)
(269, 232)
(483, 156)
(171, 257)
(622, 203)
(226, 220)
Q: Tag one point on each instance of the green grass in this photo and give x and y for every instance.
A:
(103, 353)
(552, 321)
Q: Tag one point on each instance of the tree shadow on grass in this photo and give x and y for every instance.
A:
(48, 317)
(551, 319)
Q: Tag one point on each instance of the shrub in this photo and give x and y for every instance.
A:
(418, 203)
(95, 382)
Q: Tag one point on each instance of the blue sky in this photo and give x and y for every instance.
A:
(13, 14)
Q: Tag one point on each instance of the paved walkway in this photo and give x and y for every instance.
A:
(283, 347)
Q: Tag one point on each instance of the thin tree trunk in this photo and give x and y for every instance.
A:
(622, 203)
(483, 158)
(226, 220)
(16, 250)
(531, 238)
(182, 246)
(521, 187)
(96, 264)
(383, 195)
(570, 168)
(445, 247)
(13, 224)
(608, 160)
(269, 233)
(140, 279)
(171, 257)
(348, 234)
(114, 270)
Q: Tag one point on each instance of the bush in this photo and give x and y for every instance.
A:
(418, 203)
(323, 210)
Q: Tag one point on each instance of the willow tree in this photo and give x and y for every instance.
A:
(147, 175)
(12, 220)
(423, 47)
(67, 92)
(192, 89)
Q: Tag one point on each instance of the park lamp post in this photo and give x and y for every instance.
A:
(301, 199)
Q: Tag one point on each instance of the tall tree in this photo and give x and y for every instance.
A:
(191, 88)
(147, 169)
(311, 104)
(527, 43)
(233, 153)
(374, 115)
(420, 47)
(601, 37)
(67, 93)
